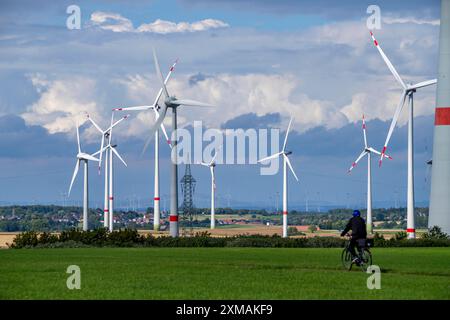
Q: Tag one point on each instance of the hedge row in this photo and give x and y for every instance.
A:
(131, 238)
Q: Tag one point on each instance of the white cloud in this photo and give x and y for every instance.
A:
(370, 104)
(111, 21)
(163, 26)
(61, 103)
(393, 20)
(235, 95)
(117, 23)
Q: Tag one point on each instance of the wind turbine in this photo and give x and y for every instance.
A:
(367, 151)
(173, 103)
(109, 149)
(408, 91)
(155, 107)
(286, 163)
(211, 165)
(82, 156)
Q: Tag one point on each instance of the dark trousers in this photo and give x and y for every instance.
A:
(353, 244)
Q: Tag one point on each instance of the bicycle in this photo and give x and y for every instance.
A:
(363, 254)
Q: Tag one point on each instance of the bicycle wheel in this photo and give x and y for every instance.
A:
(346, 258)
(366, 260)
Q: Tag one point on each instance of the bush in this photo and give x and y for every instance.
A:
(400, 235)
(435, 233)
(26, 239)
(292, 231)
(131, 238)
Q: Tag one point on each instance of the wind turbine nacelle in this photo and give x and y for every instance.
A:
(288, 153)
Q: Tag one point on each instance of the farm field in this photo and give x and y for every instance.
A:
(221, 273)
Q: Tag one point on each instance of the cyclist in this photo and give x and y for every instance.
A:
(358, 227)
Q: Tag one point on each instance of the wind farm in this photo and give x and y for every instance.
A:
(263, 116)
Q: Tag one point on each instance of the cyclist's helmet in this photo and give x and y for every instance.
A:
(356, 213)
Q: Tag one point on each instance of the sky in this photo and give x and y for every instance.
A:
(258, 62)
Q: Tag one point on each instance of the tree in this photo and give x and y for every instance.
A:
(435, 233)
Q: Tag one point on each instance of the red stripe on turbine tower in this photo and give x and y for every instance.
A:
(106, 210)
(442, 117)
(111, 198)
(173, 218)
(410, 230)
(285, 212)
(156, 198)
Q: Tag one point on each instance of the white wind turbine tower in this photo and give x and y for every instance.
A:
(173, 103)
(286, 163)
(109, 149)
(155, 107)
(82, 156)
(408, 91)
(367, 151)
(211, 165)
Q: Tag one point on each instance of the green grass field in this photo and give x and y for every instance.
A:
(221, 273)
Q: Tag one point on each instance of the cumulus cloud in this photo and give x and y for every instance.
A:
(414, 20)
(61, 102)
(117, 23)
(235, 95)
(111, 21)
(163, 26)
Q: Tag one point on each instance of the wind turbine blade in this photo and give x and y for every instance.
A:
(90, 157)
(94, 123)
(374, 151)
(117, 122)
(158, 73)
(163, 129)
(379, 153)
(111, 127)
(393, 124)
(215, 155)
(118, 156)
(77, 166)
(388, 62)
(204, 164)
(357, 160)
(212, 177)
(364, 131)
(78, 139)
(287, 134)
(290, 166)
(155, 127)
(276, 155)
(423, 84)
(192, 103)
(387, 156)
(136, 108)
(99, 151)
(172, 68)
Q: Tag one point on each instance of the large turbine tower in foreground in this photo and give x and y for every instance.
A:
(440, 174)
